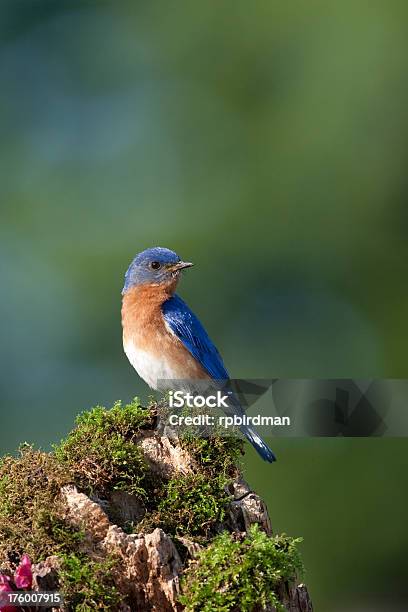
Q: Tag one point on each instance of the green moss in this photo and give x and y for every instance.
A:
(88, 585)
(215, 454)
(101, 453)
(30, 510)
(240, 573)
(195, 504)
(190, 505)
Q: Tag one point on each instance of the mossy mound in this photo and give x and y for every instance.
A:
(103, 455)
(32, 521)
(240, 572)
(30, 509)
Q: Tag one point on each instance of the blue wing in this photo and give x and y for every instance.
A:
(183, 322)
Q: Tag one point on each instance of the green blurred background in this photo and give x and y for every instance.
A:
(268, 143)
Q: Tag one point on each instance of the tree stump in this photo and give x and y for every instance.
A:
(150, 566)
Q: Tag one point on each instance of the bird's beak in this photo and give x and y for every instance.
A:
(181, 265)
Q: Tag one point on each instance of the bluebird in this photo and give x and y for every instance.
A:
(162, 337)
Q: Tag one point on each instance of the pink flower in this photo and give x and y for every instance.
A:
(6, 587)
(24, 576)
(23, 579)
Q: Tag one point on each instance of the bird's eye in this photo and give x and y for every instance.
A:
(155, 265)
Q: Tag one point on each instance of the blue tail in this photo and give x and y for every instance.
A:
(258, 444)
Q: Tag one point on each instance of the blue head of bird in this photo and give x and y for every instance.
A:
(154, 266)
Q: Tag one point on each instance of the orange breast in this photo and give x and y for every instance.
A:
(144, 327)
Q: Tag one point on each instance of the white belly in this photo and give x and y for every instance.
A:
(155, 371)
